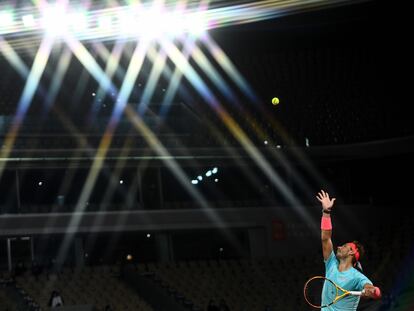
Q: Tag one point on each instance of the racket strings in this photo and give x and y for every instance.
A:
(319, 292)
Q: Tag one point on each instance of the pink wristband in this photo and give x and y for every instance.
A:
(326, 223)
(377, 292)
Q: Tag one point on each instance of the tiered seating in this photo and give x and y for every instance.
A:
(278, 282)
(244, 285)
(96, 286)
(5, 303)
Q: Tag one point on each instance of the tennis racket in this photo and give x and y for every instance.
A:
(315, 286)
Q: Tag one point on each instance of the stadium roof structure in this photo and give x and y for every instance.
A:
(325, 61)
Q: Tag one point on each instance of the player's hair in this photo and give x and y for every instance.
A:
(360, 249)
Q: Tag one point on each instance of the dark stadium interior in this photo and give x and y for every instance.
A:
(195, 198)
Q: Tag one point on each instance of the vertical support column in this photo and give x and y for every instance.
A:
(289, 178)
(171, 247)
(141, 200)
(134, 196)
(79, 253)
(164, 247)
(19, 207)
(32, 256)
(150, 188)
(257, 242)
(161, 195)
(9, 258)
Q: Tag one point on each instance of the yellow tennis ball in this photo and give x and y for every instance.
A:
(275, 100)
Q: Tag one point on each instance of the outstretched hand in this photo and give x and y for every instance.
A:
(371, 291)
(327, 202)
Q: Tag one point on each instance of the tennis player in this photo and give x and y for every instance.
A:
(342, 267)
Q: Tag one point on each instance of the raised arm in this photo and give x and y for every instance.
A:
(326, 225)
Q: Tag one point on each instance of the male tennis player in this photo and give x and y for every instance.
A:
(341, 268)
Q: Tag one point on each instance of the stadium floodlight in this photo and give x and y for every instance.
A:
(174, 24)
(54, 20)
(196, 24)
(6, 21)
(151, 24)
(78, 21)
(28, 21)
(105, 23)
(128, 23)
(138, 20)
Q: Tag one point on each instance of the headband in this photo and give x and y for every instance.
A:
(355, 250)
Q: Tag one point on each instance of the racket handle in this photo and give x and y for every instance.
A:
(356, 293)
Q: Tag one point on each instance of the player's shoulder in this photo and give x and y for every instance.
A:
(360, 279)
(357, 272)
(359, 275)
